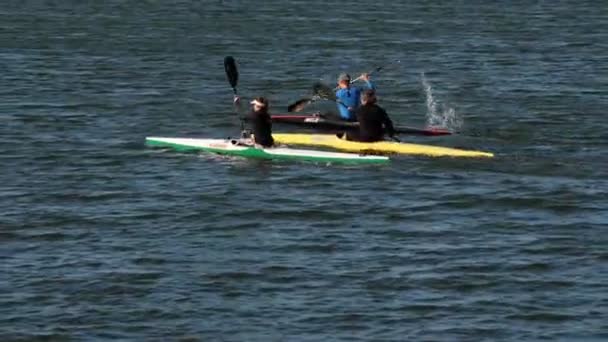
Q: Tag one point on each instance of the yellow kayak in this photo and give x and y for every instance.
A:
(332, 141)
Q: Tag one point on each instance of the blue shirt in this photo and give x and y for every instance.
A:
(350, 97)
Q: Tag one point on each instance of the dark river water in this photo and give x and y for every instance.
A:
(103, 238)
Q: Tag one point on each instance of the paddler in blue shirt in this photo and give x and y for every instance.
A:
(348, 96)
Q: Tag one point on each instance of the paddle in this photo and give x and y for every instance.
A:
(370, 73)
(320, 91)
(326, 93)
(300, 104)
(231, 72)
(323, 91)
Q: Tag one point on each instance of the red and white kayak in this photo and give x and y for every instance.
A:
(325, 124)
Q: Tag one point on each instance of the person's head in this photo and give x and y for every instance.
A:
(259, 103)
(344, 80)
(368, 97)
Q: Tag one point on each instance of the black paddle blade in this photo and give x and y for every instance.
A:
(298, 105)
(323, 91)
(231, 72)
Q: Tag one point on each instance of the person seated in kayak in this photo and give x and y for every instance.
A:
(373, 120)
(347, 96)
(261, 123)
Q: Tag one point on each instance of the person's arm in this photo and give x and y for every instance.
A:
(388, 124)
(368, 83)
(238, 108)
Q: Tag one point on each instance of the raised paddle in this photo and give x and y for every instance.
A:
(301, 104)
(323, 91)
(232, 73)
(326, 93)
(320, 91)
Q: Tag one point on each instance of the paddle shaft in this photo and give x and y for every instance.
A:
(232, 73)
(370, 73)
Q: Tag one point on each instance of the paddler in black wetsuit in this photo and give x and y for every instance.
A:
(373, 120)
(261, 123)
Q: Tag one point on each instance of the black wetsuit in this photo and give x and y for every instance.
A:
(261, 125)
(373, 123)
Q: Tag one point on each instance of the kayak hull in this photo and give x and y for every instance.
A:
(235, 147)
(383, 147)
(321, 123)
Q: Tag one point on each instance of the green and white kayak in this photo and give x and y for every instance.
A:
(237, 147)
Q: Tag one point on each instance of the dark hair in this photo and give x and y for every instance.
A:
(368, 96)
(262, 100)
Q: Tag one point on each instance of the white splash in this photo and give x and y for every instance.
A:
(446, 118)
